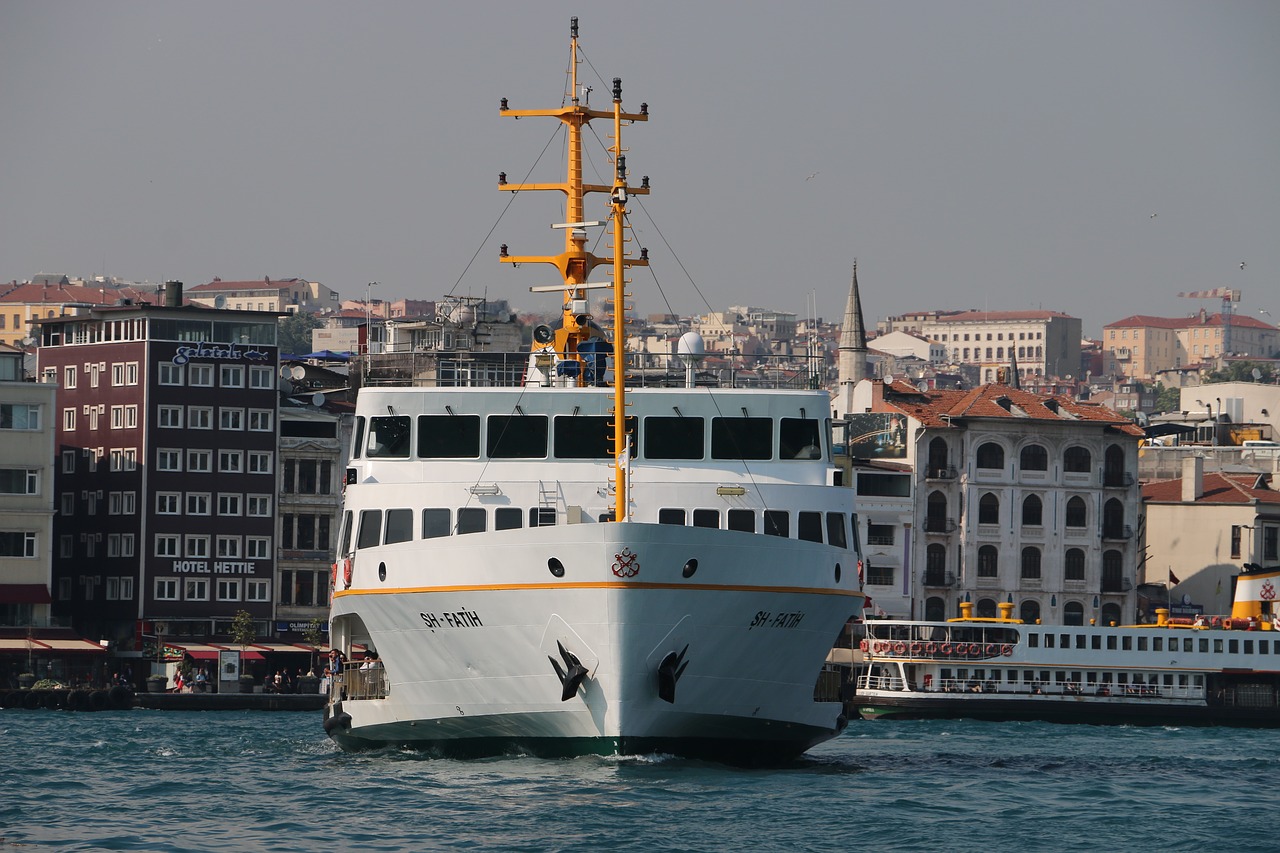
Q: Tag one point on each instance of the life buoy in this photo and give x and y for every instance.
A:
(346, 572)
(1006, 650)
(992, 650)
(931, 648)
(900, 648)
(862, 647)
(334, 579)
(915, 648)
(975, 650)
(946, 649)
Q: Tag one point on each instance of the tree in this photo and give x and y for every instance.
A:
(243, 633)
(1242, 371)
(293, 333)
(1167, 399)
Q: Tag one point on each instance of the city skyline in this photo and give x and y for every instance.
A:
(1058, 158)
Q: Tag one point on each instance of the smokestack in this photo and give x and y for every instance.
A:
(1192, 478)
(173, 294)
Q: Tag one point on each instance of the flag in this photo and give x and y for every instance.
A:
(1173, 579)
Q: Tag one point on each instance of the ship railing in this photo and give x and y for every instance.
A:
(360, 680)
(490, 368)
(1066, 689)
(881, 682)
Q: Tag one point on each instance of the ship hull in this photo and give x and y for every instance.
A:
(477, 635)
(1052, 709)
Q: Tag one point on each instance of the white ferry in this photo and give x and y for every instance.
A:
(536, 573)
(1206, 671)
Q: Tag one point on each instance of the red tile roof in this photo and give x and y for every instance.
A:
(1218, 488)
(66, 294)
(938, 408)
(257, 284)
(1140, 320)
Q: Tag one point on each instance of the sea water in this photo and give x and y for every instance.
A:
(161, 780)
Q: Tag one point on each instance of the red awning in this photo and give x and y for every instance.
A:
(201, 654)
(24, 593)
(212, 654)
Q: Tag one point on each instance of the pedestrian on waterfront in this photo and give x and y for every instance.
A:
(202, 680)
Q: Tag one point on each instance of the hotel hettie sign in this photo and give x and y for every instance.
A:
(217, 567)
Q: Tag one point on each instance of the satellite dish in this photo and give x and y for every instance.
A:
(1257, 375)
(297, 372)
(220, 301)
(691, 348)
(317, 399)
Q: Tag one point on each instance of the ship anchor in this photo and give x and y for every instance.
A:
(669, 672)
(571, 675)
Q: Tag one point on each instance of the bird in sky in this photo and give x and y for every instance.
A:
(1154, 215)
(1242, 265)
(811, 176)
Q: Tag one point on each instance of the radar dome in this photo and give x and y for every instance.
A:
(691, 349)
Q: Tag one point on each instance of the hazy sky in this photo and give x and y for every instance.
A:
(1004, 155)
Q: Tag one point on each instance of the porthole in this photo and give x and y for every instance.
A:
(837, 573)
(690, 567)
(555, 567)
(382, 571)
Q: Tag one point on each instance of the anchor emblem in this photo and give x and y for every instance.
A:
(1268, 591)
(626, 564)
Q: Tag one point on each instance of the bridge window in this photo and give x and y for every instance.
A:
(370, 528)
(399, 526)
(809, 526)
(449, 436)
(743, 520)
(799, 439)
(673, 438)
(436, 522)
(517, 436)
(777, 522)
(584, 437)
(471, 520)
(389, 437)
(507, 518)
(671, 516)
(741, 438)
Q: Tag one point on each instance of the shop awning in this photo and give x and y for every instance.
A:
(24, 593)
(283, 648)
(10, 645)
(76, 646)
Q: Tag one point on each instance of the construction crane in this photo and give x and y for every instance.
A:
(1228, 296)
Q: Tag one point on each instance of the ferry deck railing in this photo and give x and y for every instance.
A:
(360, 680)
(1049, 690)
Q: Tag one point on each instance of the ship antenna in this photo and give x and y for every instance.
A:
(621, 446)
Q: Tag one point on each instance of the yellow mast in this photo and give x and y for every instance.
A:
(575, 263)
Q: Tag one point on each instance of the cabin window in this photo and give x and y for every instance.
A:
(1097, 643)
(389, 437)
(1262, 647)
(508, 518)
(357, 444)
(673, 438)
(370, 528)
(743, 520)
(449, 436)
(1217, 646)
(799, 439)
(671, 516)
(1157, 644)
(1233, 646)
(1142, 644)
(436, 523)
(706, 518)
(471, 520)
(835, 530)
(809, 526)
(517, 436)
(741, 438)
(1126, 643)
(399, 526)
(1049, 640)
(777, 522)
(1248, 647)
(542, 516)
(346, 533)
(588, 437)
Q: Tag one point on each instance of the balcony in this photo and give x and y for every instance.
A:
(946, 472)
(1117, 479)
(939, 579)
(1117, 533)
(939, 525)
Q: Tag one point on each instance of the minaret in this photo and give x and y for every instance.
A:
(1014, 380)
(853, 346)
